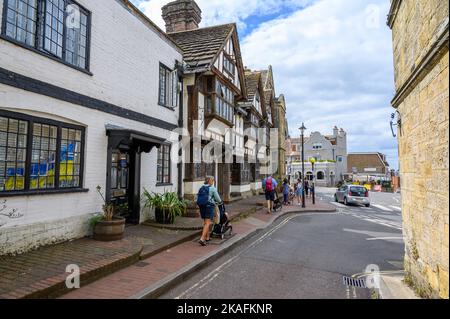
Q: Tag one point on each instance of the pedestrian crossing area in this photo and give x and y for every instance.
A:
(380, 207)
(376, 220)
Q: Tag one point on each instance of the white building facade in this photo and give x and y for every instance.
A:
(89, 96)
(329, 153)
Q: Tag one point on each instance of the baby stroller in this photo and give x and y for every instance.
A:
(277, 203)
(224, 227)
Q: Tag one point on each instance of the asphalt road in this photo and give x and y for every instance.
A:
(306, 256)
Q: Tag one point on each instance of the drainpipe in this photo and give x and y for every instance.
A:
(180, 151)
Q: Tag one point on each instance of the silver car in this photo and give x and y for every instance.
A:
(351, 194)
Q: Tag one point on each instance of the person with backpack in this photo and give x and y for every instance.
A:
(286, 191)
(207, 200)
(269, 185)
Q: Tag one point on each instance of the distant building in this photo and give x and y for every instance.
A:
(329, 152)
(366, 165)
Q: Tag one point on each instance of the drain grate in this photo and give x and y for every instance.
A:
(353, 282)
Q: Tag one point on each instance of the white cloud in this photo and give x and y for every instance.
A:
(333, 62)
(223, 11)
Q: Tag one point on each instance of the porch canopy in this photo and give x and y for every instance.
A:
(125, 139)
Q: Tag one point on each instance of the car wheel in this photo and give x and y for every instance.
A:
(336, 199)
(367, 205)
(345, 201)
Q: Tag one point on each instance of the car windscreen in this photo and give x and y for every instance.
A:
(358, 191)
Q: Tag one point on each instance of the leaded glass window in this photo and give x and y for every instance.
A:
(13, 152)
(58, 28)
(21, 20)
(70, 157)
(38, 154)
(163, 165)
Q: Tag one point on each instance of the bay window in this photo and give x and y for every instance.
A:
(57, 28)
(39, 154)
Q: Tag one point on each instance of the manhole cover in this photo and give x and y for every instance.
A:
(353, 282)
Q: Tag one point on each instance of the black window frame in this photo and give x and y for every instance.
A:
(39, 44)
(228, 58)
(161, 150)
(169, 88)
(31, 120)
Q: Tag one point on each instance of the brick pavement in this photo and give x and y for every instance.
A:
(42, 273)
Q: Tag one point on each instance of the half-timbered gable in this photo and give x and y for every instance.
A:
(214, 82)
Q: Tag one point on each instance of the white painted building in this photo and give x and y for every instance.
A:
(81, 104)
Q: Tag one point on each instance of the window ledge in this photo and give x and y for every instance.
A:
(163, 184)
(167, 107)
(27, 47)
(46, 192)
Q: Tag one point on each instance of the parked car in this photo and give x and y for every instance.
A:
(351, 194)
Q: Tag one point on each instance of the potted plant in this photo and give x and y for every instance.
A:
(107, 226)
(167, 206)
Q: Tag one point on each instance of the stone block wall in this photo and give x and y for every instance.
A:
(422, 81)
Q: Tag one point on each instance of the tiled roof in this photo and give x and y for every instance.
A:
(200, 46)
(252, 81)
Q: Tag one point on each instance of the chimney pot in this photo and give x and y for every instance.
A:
(181, 15)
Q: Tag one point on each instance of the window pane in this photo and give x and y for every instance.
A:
(76, 49)
(162, 85)
(12, 157)
(21, 18)
(70, 154)
(54, 27)
(43, 157)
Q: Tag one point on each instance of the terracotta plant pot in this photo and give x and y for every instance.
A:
(110, 230)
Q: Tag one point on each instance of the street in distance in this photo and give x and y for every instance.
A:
(226, 309)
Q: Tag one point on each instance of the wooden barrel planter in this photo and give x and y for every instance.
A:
(110, 230)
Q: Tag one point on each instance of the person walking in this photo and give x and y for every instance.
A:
(306, 188)
(269, 185)
(286, 191)
(208, 198)
(299, 192)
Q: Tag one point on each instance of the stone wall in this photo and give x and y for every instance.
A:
(422, 100)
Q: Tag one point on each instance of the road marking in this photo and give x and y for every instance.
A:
(396, 208)
(382, 208)
(212, 275)
(338, 204)
(385, 238)
(216, 272)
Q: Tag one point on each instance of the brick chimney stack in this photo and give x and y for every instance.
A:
(181, 15)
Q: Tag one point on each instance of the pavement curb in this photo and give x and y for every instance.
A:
(164, 285)
(393, 287)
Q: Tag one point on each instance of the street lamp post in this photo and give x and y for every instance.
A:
(302, 130)
(313, 190)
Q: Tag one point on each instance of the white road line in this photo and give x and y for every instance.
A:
(382, 208)
(212, 275)
(216, 272)
(396, 208)
(385, 238)
(338, 204)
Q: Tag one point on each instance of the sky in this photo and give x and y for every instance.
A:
(332, 60)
